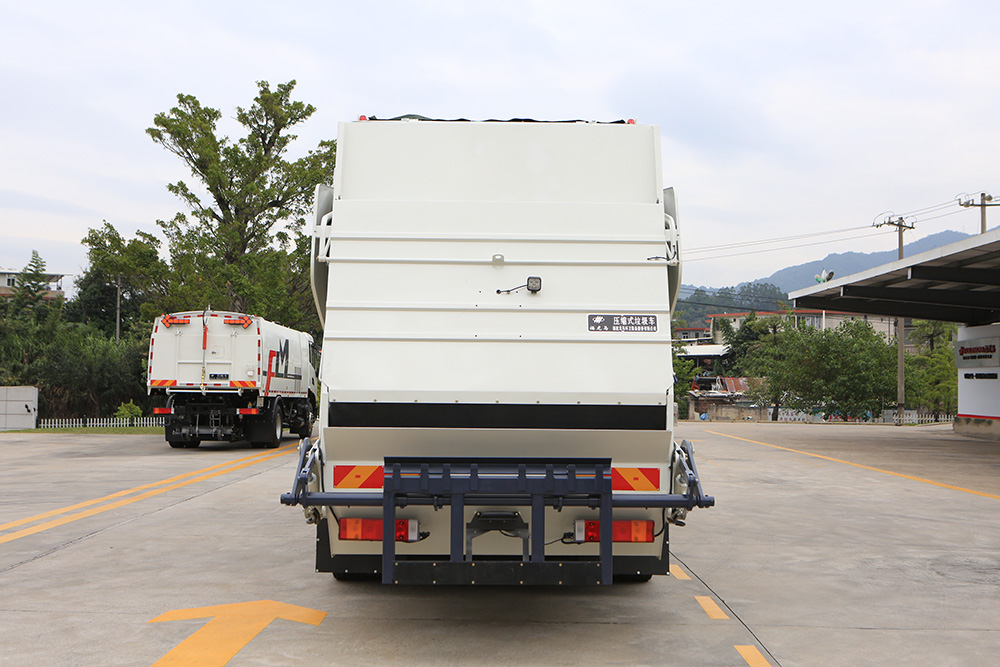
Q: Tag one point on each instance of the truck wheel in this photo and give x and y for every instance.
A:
(276, 434)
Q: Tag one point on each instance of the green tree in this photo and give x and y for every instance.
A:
(763, 356)
(848, 371)
(124, 275)
(931, 376)
(684, 372)
(254, 210)
(29, 292)
(931, 334)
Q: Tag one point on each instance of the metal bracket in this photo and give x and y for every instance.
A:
(504, 522)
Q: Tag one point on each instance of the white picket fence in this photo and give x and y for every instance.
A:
(887, 417)
(101, 422)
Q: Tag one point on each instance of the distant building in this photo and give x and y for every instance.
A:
(819, 319)
(693, 334)
(713, 398)
(9, 278)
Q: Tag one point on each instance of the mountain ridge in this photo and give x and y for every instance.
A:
(803, 275)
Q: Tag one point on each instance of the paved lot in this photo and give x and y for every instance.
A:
(830, 545)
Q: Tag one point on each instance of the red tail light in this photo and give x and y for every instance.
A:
(621, 531)
(163, 411)
(247, 411)
(407, 530)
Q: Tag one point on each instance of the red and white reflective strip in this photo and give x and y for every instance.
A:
(635, 479)
(371, 477)
(358, 477)
(370, 530)
(622, 530)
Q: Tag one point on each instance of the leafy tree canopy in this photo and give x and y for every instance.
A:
(254, 206)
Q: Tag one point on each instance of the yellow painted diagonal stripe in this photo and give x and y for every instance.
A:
(678, 573)
(752, 656)
(711, 608)
(226, 468)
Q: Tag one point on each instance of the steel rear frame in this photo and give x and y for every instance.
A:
(496, 482)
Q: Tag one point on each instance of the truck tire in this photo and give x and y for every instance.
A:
(267, 431)
(277, 428)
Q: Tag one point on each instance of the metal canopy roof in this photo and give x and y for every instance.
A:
(959, 282)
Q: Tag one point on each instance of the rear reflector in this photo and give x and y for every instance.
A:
(407, 530)
(621, 531)
(163, 411)
(247, 411)
(170, 319)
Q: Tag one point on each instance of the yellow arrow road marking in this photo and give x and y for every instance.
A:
(859, 465)
(231, 628)
(711, 608)
(10, 537)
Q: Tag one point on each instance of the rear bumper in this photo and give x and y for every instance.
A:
(538, 484)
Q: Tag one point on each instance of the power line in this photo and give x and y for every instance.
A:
(915, 213)
(799, 245)
(774, 240)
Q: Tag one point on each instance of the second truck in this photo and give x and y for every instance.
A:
(230, 376)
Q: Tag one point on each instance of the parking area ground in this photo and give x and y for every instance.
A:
(829, 545)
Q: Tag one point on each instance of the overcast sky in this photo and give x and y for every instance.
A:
(778, 119)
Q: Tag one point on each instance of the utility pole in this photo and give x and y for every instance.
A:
(900, 226)
(118, 310)
(983, 199)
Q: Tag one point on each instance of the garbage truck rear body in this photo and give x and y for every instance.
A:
(496, 384)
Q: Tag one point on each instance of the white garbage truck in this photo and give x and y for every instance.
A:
(231, 376)
(496, 400)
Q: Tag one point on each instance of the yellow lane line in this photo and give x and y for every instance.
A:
(119, 494)
(148, 494)
(859, 465)
(752, 656)
(678, 573)
(711, 608)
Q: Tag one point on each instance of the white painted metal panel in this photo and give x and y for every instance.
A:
(209, 352)
(431, 219)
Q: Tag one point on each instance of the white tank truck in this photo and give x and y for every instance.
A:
(496, 398)
(231, 376)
